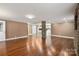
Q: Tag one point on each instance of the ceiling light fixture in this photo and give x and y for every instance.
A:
(65, 20)
(30, 16)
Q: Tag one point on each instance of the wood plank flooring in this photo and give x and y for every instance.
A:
(33, 46)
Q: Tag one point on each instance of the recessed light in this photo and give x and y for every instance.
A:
(30, 16)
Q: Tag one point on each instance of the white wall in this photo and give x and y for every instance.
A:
(2, 30)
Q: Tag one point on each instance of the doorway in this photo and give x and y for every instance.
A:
(2, 30)
(37, 32)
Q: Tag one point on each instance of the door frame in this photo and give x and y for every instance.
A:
(3, 30)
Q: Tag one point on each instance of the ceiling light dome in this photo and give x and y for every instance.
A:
(30, 16)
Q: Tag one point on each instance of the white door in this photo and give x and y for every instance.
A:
(2, 30)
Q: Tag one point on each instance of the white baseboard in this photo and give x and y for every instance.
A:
(14, 38)
(17, 38)
(63, 36)
(31, 34)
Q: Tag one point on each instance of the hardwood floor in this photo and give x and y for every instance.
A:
(33, 46)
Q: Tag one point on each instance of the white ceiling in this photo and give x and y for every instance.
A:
(51, 12)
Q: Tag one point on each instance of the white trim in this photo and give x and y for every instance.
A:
(31, 34)
(2, 34)
(63, 36)
(16, 38)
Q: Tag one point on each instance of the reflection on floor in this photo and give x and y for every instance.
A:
(33, 47)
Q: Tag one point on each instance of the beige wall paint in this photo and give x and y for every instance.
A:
(16, 29)
(65, 29)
